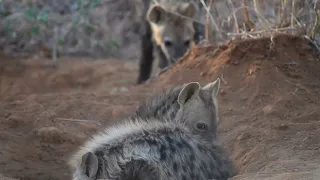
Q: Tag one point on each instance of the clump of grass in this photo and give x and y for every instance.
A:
(63, 26)
(263, 18)
(225, 20)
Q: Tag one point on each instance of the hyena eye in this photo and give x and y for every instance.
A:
(187, 43)
(201, 126)
(167, 43)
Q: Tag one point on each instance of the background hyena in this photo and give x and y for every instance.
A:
(157, 151)
(166, 35)
(193, 105)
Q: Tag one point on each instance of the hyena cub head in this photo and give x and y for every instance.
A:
(172, 33)
(199, 108)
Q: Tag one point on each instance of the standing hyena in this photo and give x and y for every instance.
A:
(151, 151)
(195, 106)
(166, 35)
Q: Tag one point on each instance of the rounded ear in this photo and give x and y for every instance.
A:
(188, 9)
(213, 87)
(89, 164)
(189, 91)
(156, 14)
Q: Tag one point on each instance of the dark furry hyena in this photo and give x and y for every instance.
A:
(195, 106)
(166, 36)
(151, 151)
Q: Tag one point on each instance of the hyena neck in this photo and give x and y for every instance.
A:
(161, 106)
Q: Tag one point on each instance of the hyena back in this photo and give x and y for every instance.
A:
(190, 104)
(158, 151)
(166, 35)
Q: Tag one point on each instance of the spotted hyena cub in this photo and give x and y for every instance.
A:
(170, 137)
(195, 106)
(168, 32)
(151, 151)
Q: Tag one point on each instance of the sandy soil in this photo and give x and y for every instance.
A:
(269, 106)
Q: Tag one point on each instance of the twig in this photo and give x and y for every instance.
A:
(154, 1)
(294, 93)
(293, 12)
(79, 120)
(264, 23)
(258, 32)
(298, 85)
(234, 16)
(223, 80)
(208, 21)
(212, 20)
(54, 49)
(316, 21)
(283, 20)
(246, 16)
(259, 15)
(271, 47)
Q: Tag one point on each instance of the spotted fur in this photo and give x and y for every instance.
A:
(160, 150)
(160, 141)
(199, 107)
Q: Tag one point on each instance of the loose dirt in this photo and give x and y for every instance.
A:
(269, 106)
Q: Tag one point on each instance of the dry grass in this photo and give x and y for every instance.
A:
(112, 26)
(257, 18)
(28, 26)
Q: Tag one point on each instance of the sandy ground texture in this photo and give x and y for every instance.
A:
(269, 106)
(5, 178)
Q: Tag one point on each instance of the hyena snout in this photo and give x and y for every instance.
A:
(176, 52)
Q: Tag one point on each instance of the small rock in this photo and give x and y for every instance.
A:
(113, 90)
(282, 126)
(15, 121)
(117, 112)
(222, 92)
(124, 89)
(236, 62)
(7, 115)
(49, 134)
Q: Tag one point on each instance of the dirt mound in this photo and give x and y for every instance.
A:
(269, 103)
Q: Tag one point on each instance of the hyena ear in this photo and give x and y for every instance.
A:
(89, 164)
(189, 91)
(156, 14)
(213, 87)
(188, 9)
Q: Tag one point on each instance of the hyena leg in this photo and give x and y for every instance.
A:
(163, 70)
(157, 74)
(146, 60)
(162, 64)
